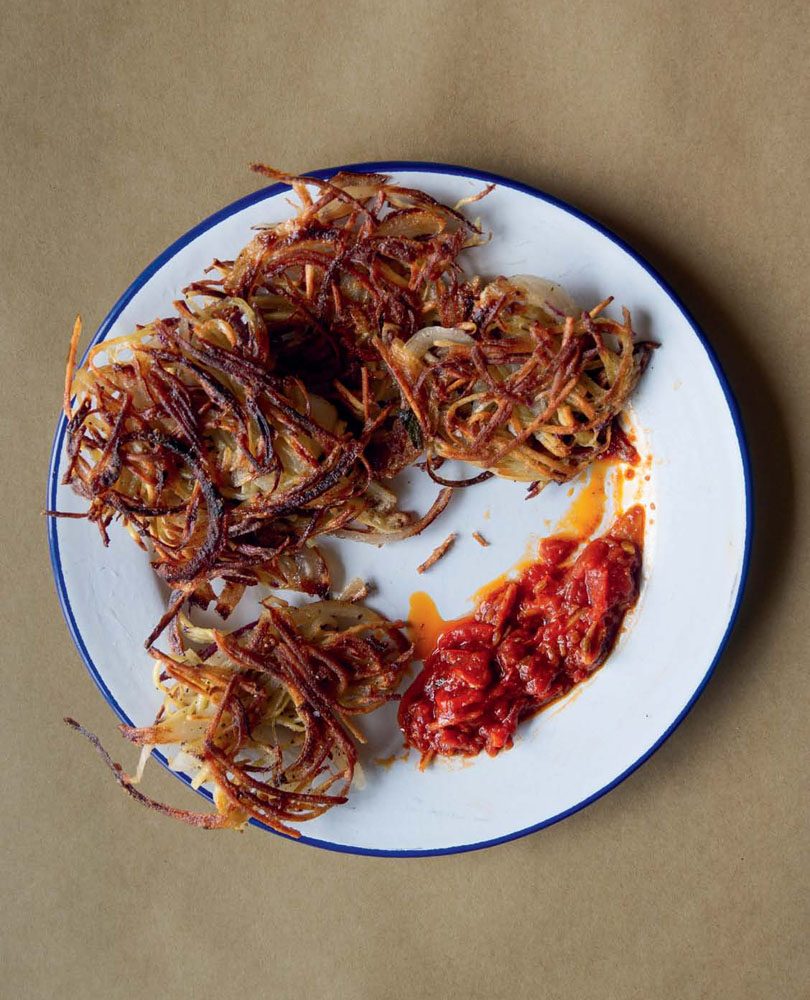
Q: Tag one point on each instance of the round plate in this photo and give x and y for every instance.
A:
(695, 483)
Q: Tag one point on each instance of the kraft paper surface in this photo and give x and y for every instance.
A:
(681, 126)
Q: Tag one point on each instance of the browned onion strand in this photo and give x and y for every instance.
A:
(206, 821)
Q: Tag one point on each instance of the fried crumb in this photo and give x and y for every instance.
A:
(480, 539)
(437, 554)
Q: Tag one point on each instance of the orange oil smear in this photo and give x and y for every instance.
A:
(391, 758)
(565, 701)
(529, 558)
(586, 512)
(618, 493)
(426, 624)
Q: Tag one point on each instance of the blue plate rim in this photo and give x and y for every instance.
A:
(384, 166)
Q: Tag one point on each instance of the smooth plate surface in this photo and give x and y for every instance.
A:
(699, 525)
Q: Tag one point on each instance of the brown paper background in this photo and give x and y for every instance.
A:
(683, 127)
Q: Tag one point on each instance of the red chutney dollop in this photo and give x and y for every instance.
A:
(526, 644)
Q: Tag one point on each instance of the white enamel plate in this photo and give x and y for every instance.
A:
(698, 499)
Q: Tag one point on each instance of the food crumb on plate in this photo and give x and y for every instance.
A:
(437, 553)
